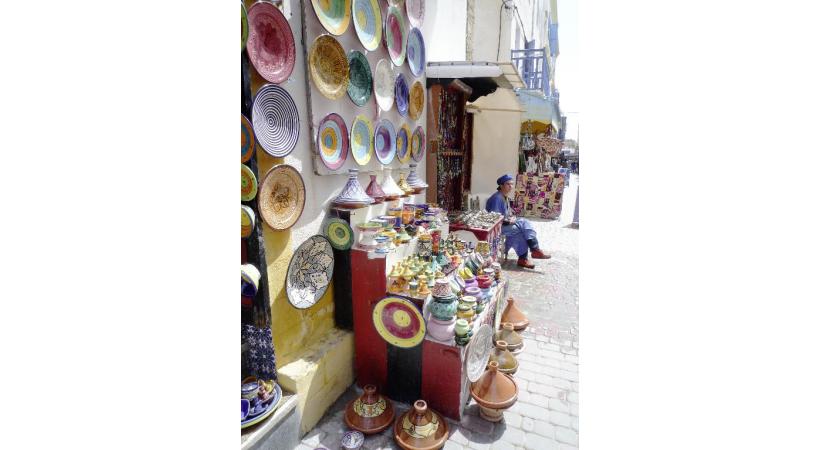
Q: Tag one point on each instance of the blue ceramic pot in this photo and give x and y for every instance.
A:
(444, 308)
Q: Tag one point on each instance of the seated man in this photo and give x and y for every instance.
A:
(519, 233)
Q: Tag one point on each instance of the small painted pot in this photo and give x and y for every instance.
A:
(444, 308)
(466, 312)
(442, 288)
(471, 301)
(442, 330)
(250, 280)
(462, 328)
(250, 390)
(390, 221)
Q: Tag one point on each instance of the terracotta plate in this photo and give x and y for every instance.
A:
(334, 15)
(415, 12)
(416, 100)
(275, 120)
(361, 140)
(478, 352)
(328, 67)
(402, 94)
(395, 35)
(270, 42)
(282, 197)
(416, 56)
(384, 141)
(248, 140)
(332, 141)
(367, 20)
(384, 84)
(360, 87)
(417, 144)
(403, 144)
(249, 185)
(309, 272)
(339, 234)
(399, 322)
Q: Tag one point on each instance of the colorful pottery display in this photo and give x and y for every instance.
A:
(417, 144)
(334, 15)
(414, 181)
(309, 272)
(416, 53)
(479, 352)
(371, 413)
(282, 197)
(514, 316)
(361, 140)
(375, 191)
(352, 440)
(384, 141)
(249, 185)
(275, 119)
(421, 428)
(263, 408)
(244, 26)
(402, 94)
(416, 100)
(385, 82)
(248, 221)
(508, 335)
(270, 44)
(332, 141)
(367, 20)
(395, 35)
(339, 233)
(403, 144)
(506, 360)
(328, 67)
(248, 140)
(494, 392)
(415, 12)
(360, 86)
(399, 322)
(392, 191)
(352, 195)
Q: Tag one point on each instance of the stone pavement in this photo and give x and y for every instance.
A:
(545, 417)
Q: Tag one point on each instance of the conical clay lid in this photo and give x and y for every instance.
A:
(374, 190)
(514, 316)
(420, 428)
(506, 360)
(508, 335)
(494, 389)
(371, 413)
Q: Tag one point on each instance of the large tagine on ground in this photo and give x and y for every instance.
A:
(420, 428)
(371, 413)
(514, 316)
(494, 392)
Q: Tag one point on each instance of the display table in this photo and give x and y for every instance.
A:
(491, 235)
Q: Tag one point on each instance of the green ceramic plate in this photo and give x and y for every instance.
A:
(361, 78)
(339, 234)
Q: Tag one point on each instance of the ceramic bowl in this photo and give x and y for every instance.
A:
(246, 408)
(352, 440)
(250, 390)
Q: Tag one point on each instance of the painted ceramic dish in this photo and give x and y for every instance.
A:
(417, 144)
(478, 352)
(248, 221)
(328, 67)
(395, 35)
(244, 26)
(399, 322)
(416, 100)
(269, 407)
(385, 84)
(275, 120)
(339, 234)
(282, 197)
(415, 12)
(403, 144)
(384, 141)
(361, 140)
(332, 141)
(416, 56)
(248, 141)
(334, 15)
(249, 185)
(360, 86)
(309, 272)
(402, 94)
(367, 20)
(270, 42)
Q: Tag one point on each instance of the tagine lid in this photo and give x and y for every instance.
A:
(370, 413)
(514, 316)
(494, 389)
(420, 428)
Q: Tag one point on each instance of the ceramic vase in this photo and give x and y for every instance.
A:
(371, 413)
(514, 316)
(494, 392)
(391, 190)
(444, 308)
(420, 428)
(442, 330)
(374, 190)
(353, 194)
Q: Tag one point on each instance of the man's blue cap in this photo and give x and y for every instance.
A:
(503, 179)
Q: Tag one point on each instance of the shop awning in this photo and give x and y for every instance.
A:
(483, 77)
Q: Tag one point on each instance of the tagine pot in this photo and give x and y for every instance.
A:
(514, 316)
(506, 360)
(352, 195)
(494, 392)
(391, 190)
(420, 428)
(374, 190)
(507, 334)
(371, 413)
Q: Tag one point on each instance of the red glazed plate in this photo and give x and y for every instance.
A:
(270, 43)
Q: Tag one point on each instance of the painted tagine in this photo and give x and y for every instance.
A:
(420, 428)
(514, 316)
(404, 186)
(414, 181)
(506, 360)
(371, 413)
(391, 190)
(494, 392)
(374, 190)
(507, 334)
(352, 195)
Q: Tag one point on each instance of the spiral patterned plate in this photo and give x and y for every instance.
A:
(249, 185)
(367, 20)
(361, 140)
(402, 94)
(282, 197)
(395, 35)
(415, 12)
(244, 26)
(416, 54)
(328, 67)
(332, 141)
(417, 144)
(416, 100)
(360, 87)
(275, 120)
(339, 234)
(384, 140)
(270, 42)
(399, 322)
(385, 84)
(334, 15)
(248, 141)
(309, 272)
(403, 144)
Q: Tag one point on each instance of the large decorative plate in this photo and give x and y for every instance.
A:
(339, 234)
(403, 144)
(328, 67)
(395, 35)
(270, 407)
(415, 12)
(478, 352)
(248, 141)
(332, 141)
(367, 20)
(385, 83)
(360, 87)
(384, 141)
(361, 140)
(416, 100)
(249, 185)
(417, 144)
(334, 15)
(282, 197)
(500, 306)
(402, 94)
(248, 221)
(244, 26)
(270, 42)
(309, 272)
(416, 55)
(399, 322)
(275, 120)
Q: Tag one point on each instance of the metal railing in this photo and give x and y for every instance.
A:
(532, 65)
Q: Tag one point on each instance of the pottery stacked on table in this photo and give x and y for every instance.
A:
(443, 308)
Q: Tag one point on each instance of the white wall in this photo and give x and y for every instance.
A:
(485, 37)
(495, 141)
(444, 30)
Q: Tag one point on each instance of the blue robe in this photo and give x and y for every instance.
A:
(517, 234)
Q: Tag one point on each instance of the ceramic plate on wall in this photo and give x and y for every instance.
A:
(395, 35)
(415, 12)
(248, 140)
(361, 140)
(270, 42)
(416, 100)
(328, 67)
(402, 94)
(275, 120)
(309, 272)
(339, 234)
(403, 144)
(417, 144)
(282, 197)
(384, 141)
(385, 84)
(360, 86)
(367, 20)
(399, 322)
(334, 15)
(248, 184)
(332, 141)
(416, 54)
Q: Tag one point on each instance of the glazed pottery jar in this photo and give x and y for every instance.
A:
(442, 288)
(420, 428)
(367, 234)
(444, 308)
(471, 282)
(514, 316)
(506, 360)
(381, 244)
(484, 281)
(462, 328)
(413, 287)
(465, 311)
(403, 236)
(408, 214)
(494, 392)
(370, 413)
(471, 301)
(472, 291)
(250, 390)
(508, 335)
(391, 221)
(442, 330)
(414, 181)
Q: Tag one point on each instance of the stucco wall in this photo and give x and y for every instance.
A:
(495, 141)
(444, 28)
